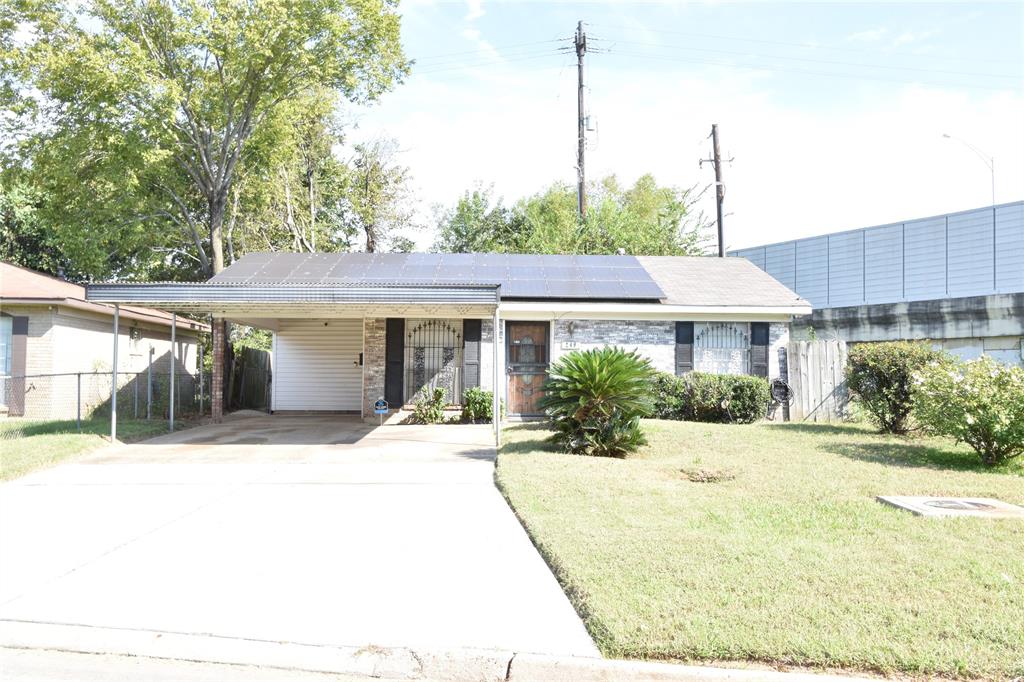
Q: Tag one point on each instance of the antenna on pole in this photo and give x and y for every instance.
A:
(719, 185)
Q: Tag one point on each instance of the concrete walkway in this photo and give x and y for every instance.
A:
(315, 531)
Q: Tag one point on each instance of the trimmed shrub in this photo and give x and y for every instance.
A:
(716, 398)
(979, 402)
(429, 406)
(725, 398)
(595, 399)
(477, 405)
(880, 377)
(669, 396)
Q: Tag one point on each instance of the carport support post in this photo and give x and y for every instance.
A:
(174, 359)
(217, 372)
(496, 399)
(113, 378)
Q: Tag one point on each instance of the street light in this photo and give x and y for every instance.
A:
(989, 161)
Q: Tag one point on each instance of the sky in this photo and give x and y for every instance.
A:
(833, 113)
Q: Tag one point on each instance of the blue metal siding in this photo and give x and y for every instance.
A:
(883, 263)
(1010, 248)
(812, 270)
(780, 263)
(924, 266)
(846, 269)
(971, 263)
(755, 256)
(970, 253)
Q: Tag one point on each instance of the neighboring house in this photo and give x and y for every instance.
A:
(49, 333)
(956, 280)
(350, 328)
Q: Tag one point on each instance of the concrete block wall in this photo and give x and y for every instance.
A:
(374, 335)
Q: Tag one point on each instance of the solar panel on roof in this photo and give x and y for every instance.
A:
(524, 289)
(563, 288)
(520, 275)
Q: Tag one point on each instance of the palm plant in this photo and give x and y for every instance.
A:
(595, 400)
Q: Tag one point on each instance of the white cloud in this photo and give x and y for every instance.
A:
(869, 36)
(474, 9)
(908, 37)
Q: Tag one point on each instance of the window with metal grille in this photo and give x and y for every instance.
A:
(721, 347)
(433, 358)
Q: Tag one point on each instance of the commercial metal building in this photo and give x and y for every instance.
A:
(955, 279)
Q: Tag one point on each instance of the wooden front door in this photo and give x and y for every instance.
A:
(526, 350)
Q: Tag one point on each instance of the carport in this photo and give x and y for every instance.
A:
(269, 306)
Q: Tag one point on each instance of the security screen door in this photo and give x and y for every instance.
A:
(526, 347)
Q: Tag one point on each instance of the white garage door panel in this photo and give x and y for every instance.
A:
(316, 367)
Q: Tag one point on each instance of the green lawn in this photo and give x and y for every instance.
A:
(791, 562)
(29, 445)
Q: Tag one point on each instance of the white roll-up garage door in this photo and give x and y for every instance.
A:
(316, 365)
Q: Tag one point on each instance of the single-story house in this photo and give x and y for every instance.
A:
(352, 328)
(50, 333)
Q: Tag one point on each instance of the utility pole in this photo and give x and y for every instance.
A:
(581, 49)
(719, 185)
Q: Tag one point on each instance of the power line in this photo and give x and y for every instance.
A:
(818, 46)
(833, 74)
(495, 47)
(490, 62)
(816, 61)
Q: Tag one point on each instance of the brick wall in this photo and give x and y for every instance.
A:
(217, 377)
(374, 335)
(654, 339)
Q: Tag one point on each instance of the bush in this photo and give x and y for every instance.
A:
(880, 377)
(669, 396)
(595, 400)
(978, 402)
(717, 398)
(477, 405)
(429, 406)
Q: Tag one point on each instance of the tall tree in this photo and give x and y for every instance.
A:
(645, 219)
(378, 196)
(141, 110)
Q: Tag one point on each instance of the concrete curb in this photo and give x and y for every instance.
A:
(370, 661)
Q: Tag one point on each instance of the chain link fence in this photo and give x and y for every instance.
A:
(83, 396)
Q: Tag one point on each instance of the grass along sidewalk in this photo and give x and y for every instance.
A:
(792, 561)
(27, 445)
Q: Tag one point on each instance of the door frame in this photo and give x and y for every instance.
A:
(548, 338)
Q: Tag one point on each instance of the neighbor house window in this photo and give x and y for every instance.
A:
(6, 338)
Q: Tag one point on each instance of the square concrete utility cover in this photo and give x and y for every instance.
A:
(985, 507)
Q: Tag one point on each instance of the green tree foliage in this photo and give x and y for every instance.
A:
(377, 200)
(595, 399)
(880, 375)
(24, 239)
(135, 118)
(979, 402)
(644, 219)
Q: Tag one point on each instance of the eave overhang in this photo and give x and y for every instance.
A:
(230, 299)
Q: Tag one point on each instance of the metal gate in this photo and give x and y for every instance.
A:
(722, 348)
(433, 358)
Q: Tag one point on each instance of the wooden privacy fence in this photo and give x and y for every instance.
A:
(248, 379)
(817, 380)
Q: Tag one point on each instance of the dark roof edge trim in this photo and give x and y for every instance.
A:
(214, 293)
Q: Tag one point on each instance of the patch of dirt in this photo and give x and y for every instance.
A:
(705, 475)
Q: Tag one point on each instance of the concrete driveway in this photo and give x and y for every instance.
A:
(308, 530)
